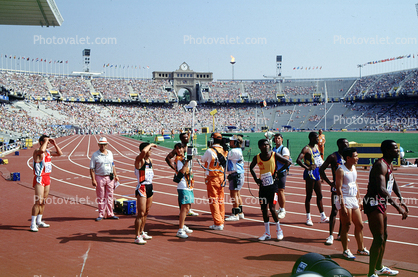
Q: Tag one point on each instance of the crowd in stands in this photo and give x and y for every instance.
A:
(70, 86)
(387, 82)
(384, 83)
(111, 88)
(151, 89)
(222, 90)
(26, 84)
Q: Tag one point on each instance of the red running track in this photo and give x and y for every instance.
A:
(76, 245)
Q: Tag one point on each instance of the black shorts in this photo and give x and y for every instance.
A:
(144, 191)
(266, 195)
(280, 182)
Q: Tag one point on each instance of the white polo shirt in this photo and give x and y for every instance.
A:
(101, 163)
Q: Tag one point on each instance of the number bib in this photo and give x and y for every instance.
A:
(352, 189)
(267, 179)
(48, 167)
(149, 174)
(390, 184)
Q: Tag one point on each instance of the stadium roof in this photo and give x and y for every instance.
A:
(30, 12)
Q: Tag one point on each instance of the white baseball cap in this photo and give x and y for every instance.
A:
(103, 140)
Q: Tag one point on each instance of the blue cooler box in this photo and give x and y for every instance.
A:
(15, 176)
(129, 207)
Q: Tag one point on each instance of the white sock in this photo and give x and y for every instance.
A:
(323, 215)
(267, 227)
(282, 210)
(33, 220)
(278, 226)
(308, 216)
(181, 229)
(39, 218)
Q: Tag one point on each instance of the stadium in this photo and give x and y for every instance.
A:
(125, 105)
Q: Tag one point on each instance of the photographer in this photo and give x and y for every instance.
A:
(185, 184)
(235, 169)
(214, 173)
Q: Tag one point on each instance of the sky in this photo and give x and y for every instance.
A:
(331, 37)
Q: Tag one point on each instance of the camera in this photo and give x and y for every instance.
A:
(190, 153)
(226, 138)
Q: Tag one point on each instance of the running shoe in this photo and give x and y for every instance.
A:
(42, 224)
(187, 230)
(33, 228)
(241, 216)
(266, 236)
(232, 218)
(140, 240)
(386, 271)
(309, 222)
(113, 217)
(363, 252)
(324, 220)
(281, 214)
(330, 240)
(182, 234)
(280, 235)
(192, 213)
(217, 227)
(347, 254)
(144, 235)
(373, 275)
(99, 218)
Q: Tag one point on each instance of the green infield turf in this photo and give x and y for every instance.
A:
(297, 140)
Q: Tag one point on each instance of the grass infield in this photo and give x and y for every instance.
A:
(297, 140)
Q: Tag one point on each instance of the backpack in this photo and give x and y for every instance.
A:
(221, 158)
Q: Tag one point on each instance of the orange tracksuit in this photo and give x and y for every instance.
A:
(214, 181)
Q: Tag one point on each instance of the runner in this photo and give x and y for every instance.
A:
(335, 160)
(379, 190)
(144, 190)
(236, 177)
(42, 168)
(281, 173)
(266, 162)
(348, 202)
(311, 162)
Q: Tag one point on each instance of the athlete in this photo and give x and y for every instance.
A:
(335, 160)
(235, 170)
(311, 162)
(42, 167)
(144, 190)
(348, 202)
(184, 138)
(185, 183)
(321, 143)
(266, 162)
(281, 173)
(379, 190)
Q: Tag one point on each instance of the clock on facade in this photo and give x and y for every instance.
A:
(184, 66)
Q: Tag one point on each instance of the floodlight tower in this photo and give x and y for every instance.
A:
(232, 62)
(279, 65)
(86, 60)
(416, 7)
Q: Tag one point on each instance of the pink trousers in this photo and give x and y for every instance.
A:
(104, 193)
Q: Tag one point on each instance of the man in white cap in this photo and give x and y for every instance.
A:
(103, 177)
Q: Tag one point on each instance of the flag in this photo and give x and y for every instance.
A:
(147, 67)
(66, 61)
